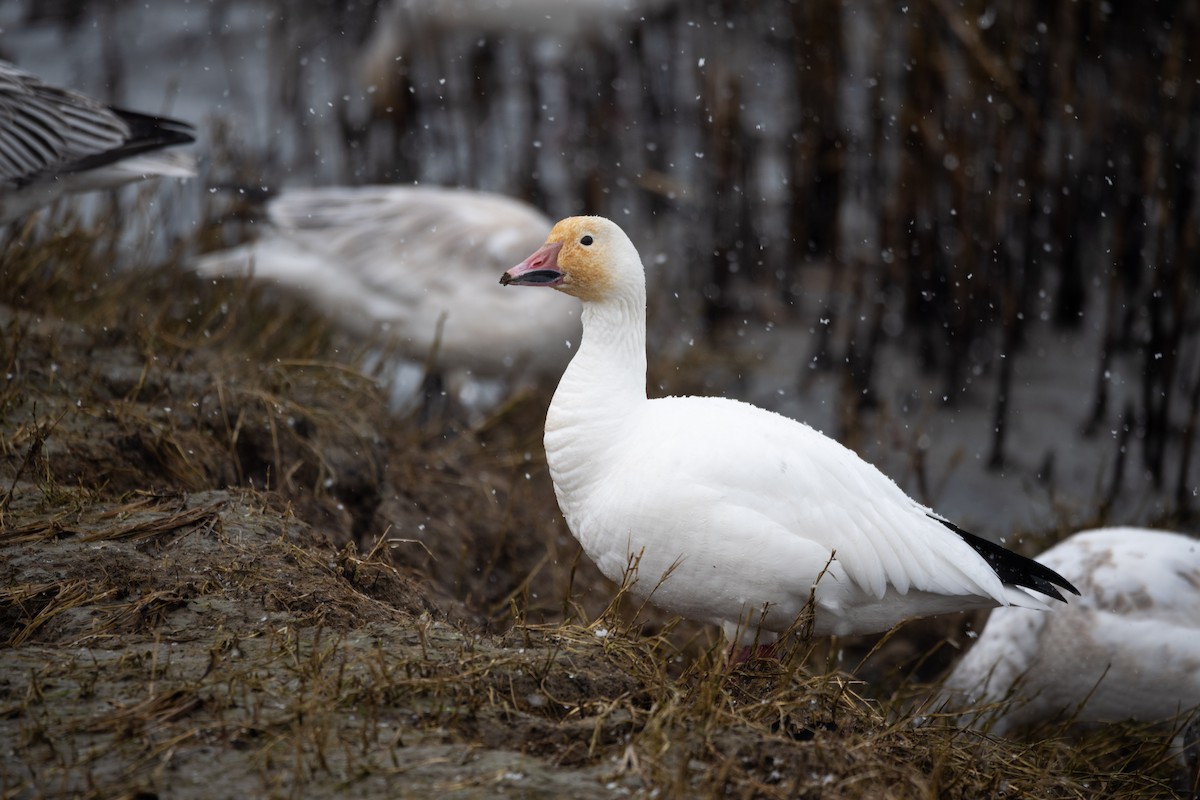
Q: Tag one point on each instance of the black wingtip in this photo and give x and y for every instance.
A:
(160, 131)
(146, 134)
(1013, 569)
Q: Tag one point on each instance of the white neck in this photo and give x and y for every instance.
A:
(602, 386)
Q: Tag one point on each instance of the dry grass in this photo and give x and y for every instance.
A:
(227, 570)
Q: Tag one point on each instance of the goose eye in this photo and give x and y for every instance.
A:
(586, 241)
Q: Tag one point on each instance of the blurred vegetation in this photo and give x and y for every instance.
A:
(948, 179)
(973, 170)
(227, 568)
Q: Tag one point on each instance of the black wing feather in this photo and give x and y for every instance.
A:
(146, 133)
(1013, 569)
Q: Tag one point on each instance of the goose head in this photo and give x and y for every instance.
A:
(585, 257)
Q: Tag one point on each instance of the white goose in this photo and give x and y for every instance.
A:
(1129, 648)
(726, 508)
(405, 26)
(404, 263)
(55, 141)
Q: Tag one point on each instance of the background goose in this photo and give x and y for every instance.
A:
(401, 261)
(1129, 648)
(56, 141)
(404, 27)
(726, 508)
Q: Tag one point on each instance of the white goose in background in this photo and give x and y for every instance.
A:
(1128, 649)
(404, 26)
(414, 265)
(56, 141)
(725, 509)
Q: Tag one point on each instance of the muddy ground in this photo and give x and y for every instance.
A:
(228, 570)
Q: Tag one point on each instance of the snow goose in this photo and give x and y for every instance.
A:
(55, 141)
(403, 26)
(1129, 648)
(728, 513)
(404, 263)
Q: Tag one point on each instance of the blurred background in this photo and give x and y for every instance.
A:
(959, 236)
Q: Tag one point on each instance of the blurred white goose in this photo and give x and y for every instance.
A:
(725, 508)
(403, 262)
(404, 25)
(56, 141)
(1129, 648)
